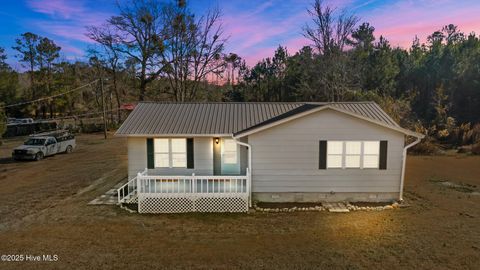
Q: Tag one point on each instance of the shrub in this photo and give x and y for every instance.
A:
(475, 133)
(91, 128)
(425, 147)
(476, 149)
(443, 133)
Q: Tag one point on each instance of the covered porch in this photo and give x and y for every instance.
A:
(187, 193)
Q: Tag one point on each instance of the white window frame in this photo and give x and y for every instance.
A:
(362, 155)
(170, 153)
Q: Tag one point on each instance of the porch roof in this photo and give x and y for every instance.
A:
(209, 118)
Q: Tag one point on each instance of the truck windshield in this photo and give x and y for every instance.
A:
(34, 141)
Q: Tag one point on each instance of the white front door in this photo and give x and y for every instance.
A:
(230, 157)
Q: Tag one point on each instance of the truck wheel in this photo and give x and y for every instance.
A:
(69, 149)
(39, 156)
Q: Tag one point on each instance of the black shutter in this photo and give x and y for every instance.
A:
(383, 155)
(322, 164)
(150, 162)
(190, 164)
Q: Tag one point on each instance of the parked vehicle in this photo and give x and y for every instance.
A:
(16, 128)
(24, 121)
(11, 120)
(45, 144)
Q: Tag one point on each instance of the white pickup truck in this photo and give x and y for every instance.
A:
(41, 145)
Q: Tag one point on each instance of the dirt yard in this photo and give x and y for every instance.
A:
(43, 210)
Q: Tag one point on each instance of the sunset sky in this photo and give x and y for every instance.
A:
(255, 28)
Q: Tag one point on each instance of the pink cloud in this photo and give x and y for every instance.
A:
(71, 50)
(252, 58)
(296, 44)
(65, 9)
(68, 19)
(71, 32)
(249, 32)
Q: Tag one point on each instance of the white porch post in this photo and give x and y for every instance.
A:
(193, 180)
(139, 175)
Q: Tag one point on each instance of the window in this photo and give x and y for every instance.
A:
(170, 153)
(161, 149)
(371, 154)
(50, 141)
(179, 152)
(353, 154)
(334, 154)
(229, 151)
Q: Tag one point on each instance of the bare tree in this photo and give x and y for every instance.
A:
(110, 41)
(192, 49)
(330, 33)
(331, 30)
(138, 27)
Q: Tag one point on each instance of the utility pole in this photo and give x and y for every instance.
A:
(103, 110)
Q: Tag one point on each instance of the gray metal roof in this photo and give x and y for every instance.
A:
(227, 118)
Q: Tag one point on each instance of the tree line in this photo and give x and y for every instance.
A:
(433, 87)
(152, 50)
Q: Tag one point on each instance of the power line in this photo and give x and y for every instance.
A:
(53, 96)
(79, 115)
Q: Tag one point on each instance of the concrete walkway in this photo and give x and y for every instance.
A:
(109, 198)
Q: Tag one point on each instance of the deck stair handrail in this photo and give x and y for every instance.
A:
(129, 189)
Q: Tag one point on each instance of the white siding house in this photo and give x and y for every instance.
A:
(208, 157)
(285, 161)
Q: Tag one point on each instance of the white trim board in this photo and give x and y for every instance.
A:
(295, 116)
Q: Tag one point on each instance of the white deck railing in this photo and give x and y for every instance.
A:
(187, 193)
(192, 184)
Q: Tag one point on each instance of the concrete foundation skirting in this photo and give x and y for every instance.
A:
(325, 197)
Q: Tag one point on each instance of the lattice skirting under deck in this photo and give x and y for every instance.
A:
(154, 203)
(131, 200)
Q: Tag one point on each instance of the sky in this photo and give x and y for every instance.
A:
(255, 28)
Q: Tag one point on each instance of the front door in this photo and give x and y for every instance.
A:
(230, 157)
(226, 157)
